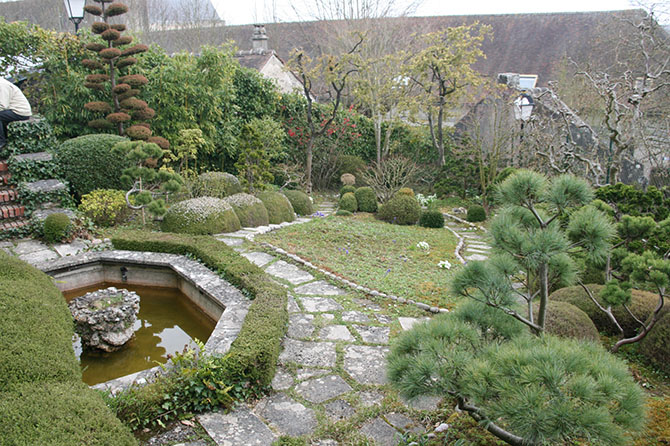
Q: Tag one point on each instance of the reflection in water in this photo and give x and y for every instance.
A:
(167, 322)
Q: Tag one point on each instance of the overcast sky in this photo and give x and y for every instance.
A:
(238, 12)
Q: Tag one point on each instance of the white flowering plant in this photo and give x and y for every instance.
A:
(423, 245)
(426, 200)
(444, 264)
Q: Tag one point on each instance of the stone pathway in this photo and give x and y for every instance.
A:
(475, 242)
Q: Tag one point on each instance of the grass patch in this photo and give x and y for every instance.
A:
(374, 254)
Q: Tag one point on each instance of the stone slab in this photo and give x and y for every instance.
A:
(258, 258)
(336, 333)
(406, 323)
(355, 316)
(292, 306)
(370, 398)
(372, 334)
(380, 432)
(312, 354)
(300, 325)
(366, 364)
(37, 257)
(403, 423)
(320, 288)
(288, 272)
(238, 428)
(383, 319)
(423, 402)
(282, 380)
(318, 390)
(476, 257)
(469, 250)
(308, 372)
(28, 246)
(70, 249)
(339, 410)
(286, 415)
(231, 241)
(319, 304)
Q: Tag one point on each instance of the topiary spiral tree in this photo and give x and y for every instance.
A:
(126, 112)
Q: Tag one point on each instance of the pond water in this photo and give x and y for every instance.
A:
(167, 322)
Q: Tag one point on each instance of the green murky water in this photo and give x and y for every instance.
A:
(167, 322)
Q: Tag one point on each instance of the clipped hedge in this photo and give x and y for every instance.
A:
(656, 345)
(431, 219)
(253, 356)
(476, 213)
(88, 163)
(300, 201)
(346, 189)
(203, 215)
(56, 227)
(249, 210)
(216, 184)
(366, 199)
(348, 202)
(278, 206)
(567, 321)
(642, 305)
(43, 400)
(402, 209)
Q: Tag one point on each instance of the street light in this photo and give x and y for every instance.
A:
(523, 107)
(75, 12)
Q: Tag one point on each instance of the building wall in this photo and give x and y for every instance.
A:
(286, 81)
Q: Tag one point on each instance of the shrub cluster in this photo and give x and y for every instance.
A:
(402, 209)
(249, 209)
(203, 215)
(348, 202)
(42, 397)
(366, 199)
(216, 184)
(431, 219)
(300, 201)
(656, 345)
(405, 191)
(568, 321)
(278, 206)
(88, 163)
(56, 227)
(476, 214)
(346, 189)
(351, 164)
(105, 207)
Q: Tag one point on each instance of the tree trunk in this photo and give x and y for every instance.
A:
(378, 138)
(543, 277)
(308, 163)
(440, 137)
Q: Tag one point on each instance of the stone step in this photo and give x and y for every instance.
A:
(45, 186)
(11, 211)
(39, 156)
(6, 225)
(4, 178)
(42, 214)
(7, 195)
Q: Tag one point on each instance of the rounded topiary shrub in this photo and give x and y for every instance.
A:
(642, 305)
(302, 205)
(105, 207)
(431, 219)
(656, 345)
(278, 206)
(88, 163)
(348, 202)
(567, 321)
(249, 209)
(475, 214)
(56, 227)
(346, 189)
(405, 191)
(343, 213)
(202, 215)
(366, 199)
(215, 184)
(401, 209)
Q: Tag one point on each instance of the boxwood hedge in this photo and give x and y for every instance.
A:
(42, 397)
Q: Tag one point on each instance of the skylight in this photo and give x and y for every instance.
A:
(527, 81)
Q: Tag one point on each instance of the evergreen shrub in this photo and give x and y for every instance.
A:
(105, 207)
(343, 213)
(216, 184)
(656, 345)
(475, 214)
(56, 227)
(401, 209)
(366, 199)
(348, 202)
(249, 209)
(300, 201)
(278, 206)
(203, 215)
(568, 321)
(88, 163)
(405, 191)
(431, 219)
(351, 164)
(347, 189)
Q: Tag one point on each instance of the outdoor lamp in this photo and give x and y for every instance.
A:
(523, 107)
(75, 12)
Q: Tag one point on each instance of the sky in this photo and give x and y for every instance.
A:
(238, 12)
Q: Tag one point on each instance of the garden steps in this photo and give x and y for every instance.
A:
(38, 156)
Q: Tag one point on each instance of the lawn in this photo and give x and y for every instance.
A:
(374, 254)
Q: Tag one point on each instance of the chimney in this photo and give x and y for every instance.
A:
(259, 41)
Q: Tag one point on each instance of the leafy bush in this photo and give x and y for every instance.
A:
(631, 200)
(249, 209)
(203, 215)
(343, 213)
(568, 321)
(642, 305)
(348, 202)
(300, 201)
(42, 395)
(405, 191)
(491, 322)
(88, 163)
(351, 164)
(347, 189)
(431, 219)
(31, 136)
(366, 199)
(106, 207)
(278, 206)
(401, 209)
(215, 184)
(656, 345)
(475, 214)
(56, 227)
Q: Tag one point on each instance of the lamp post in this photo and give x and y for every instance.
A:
(523, 107)
(75, 12)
